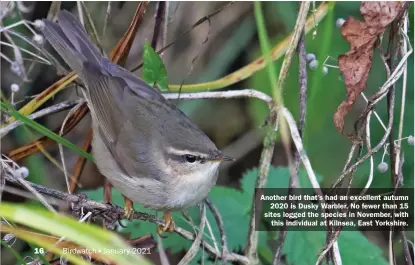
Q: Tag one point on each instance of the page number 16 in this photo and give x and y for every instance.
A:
(39, 251)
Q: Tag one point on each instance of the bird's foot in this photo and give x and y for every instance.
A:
(168, 226)
(128, 209)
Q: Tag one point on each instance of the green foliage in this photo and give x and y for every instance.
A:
(234, 206)
(86, 235)
(6, 247)
(302, 248)
(154, 71)
(326, 148)
(4, 106)
(266, 51)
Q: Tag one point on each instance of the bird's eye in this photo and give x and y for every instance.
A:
(190, 158)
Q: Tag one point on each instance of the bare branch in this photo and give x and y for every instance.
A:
(44, 112)
(250, 93)
(107, 16)
(191, 253)
(294, 182)
(159, 17)
(195, 25)
(221, 226)
(268, 150)
(112, 213)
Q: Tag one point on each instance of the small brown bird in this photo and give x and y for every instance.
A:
(149, 150)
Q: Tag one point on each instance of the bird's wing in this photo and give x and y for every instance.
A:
(77, 35)
(57, 38)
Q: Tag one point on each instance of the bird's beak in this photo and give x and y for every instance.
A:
(221, 157)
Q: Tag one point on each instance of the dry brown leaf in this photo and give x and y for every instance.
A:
(356, 63)
(379, 14)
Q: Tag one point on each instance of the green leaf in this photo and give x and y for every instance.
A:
(6, 247)
(154, 71)
(233, 204)
(89, 236)
(43, 130)
(278, 177)
(303, 247)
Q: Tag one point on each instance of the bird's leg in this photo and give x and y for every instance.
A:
(128, 204)
(107, 197)
(168, 226)
(128, 209)
(107, 191)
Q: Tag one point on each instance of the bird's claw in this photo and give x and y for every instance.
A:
(128, 212)
(168, 226)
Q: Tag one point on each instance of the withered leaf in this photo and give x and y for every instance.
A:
(379, 14)
(356, 63)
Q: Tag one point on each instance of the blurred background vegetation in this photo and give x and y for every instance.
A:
(232, 42)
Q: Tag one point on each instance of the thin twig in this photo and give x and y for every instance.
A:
(396, 162)
(75, 119)
(244, 93)
(113, 212)
(80, 13)
(90, 24)
(395, 75)
(195, 25)
(310, 172)
(221, 227)
(107, 16)
(191, 253)
(369, 147)
(80, 162)
(159, 18)
(164, 260)
(404, 50)
(269, 141)
(8, 172)
(165, 26)
(60, 146)
(44, 112)
(212, 235)
(399, 161)
(294, 182)
(43, 60)
(54, 9)
(386, 89)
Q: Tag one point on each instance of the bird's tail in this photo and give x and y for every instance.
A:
(71, 42)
